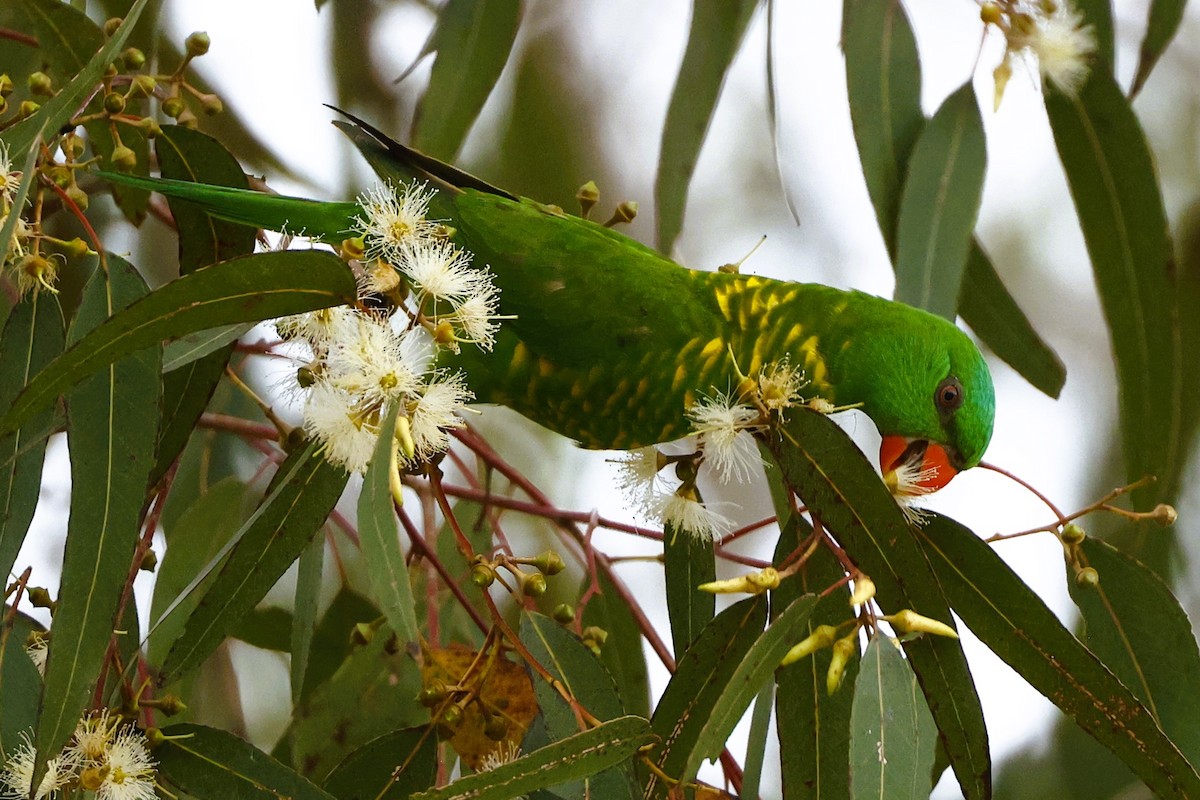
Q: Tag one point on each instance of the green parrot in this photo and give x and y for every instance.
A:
(610, 343)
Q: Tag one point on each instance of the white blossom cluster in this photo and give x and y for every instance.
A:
(105, 757)
(15, 256)
(1051, 33)
(360, 363)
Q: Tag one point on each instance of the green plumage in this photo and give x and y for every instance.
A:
(610, 342)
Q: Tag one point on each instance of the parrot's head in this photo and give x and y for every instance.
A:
(927, 388)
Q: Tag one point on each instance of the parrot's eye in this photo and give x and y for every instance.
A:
(949, 394)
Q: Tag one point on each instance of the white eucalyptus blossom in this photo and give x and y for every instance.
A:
(684, 512)
(442, 271)
(437, 411)
(723, 427)
(394, 219)
(128, 769)
(16, 778)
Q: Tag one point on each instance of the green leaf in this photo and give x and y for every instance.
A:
(1133, 623)
(1165, 16)
(700, 679)
(303, 492)
(688, 561)
(267, 628)
(892, 735)
(256, 287)
(390, 767)
(749, 676)
(65, 39)
(211, 764)
(1099, 15)
(832, 476)
(813, 726)
(622, 653)
(756, 745)
(940, 204)
(473, 40)
(379, 538)
(1112, 178)
(193, 346)
(32, 337)
(192, 542)
(110, 464)
(715, 36)
(304, 618)
(187, 392)
(57, 111)
(998, 321)
(331, 643)
(21, 686)
(373, 692)
(1010, 619)
(579, 756)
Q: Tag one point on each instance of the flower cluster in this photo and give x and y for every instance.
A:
(362, 362)
(106, 757)
(1050, 32)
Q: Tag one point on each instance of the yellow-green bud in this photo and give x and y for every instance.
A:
(1073, 534)
(78, 196)
(149, 561)
(154, 737)
(864, 590)
(843, 650)
(443, 333)
(60, 176)
(753, 583)
(821, 637)
(123, 158)
(149, 126)
(564, 613)
(305, 377)
(432, 694)
(588, 195)
(133, 59)
(211, 104)
(111, 24)
(114, 102)
(6, 85)
(76, 248)
(40, 84)
(143, 86)
(173, 106)
(909, 621)
(549, 563)
(362, 634)
(990, 13)
(533, 585)
(171, 705)
(1087, 578)
(92, 778)
(72, 145)
(39, 597)
(595, 634)
(482, 575)
(188, 120)
(1164, 515)
(353, 248)
(27, 109)
(496, 727)
(626, 211)
(197, 44)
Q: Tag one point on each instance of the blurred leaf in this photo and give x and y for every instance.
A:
(473, 40)
(379, 537)
(755, 669)
(892, 735)
(583, 754)
(940, 204)
(1133, 623)
(700, 679)
(833, 478)
(58, 110)
(21, 686)
(1163, 22)
(374, 691)
(1112, 178)
(187, 392)
(32, 337)
(211, 764)
(389, 767)
(813, 726)
(304, 616)
(688, 561)
(714, 39)
(189, 348)
(576, 668)
(256, 287)
(622, 652)
(1099, 14)
(267, 628)
(192, 542)
(1018, 627)
(303, 492)
(110, 464)
(756, 745)
(331, 643)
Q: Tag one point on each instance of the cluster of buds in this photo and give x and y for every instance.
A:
(1050, 32)
(106, 756)
(589, 194)
(419, 294)
(486, 571)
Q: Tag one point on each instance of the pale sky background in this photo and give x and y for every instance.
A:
(267, 59)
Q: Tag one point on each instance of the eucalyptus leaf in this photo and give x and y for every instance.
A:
(622, 653)
(1163, 22)
(688, 562)
(393, 766)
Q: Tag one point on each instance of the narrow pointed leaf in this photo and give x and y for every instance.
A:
(390, 767)
(688, 561)
(939, 205)
(1099, 15)
(211, 764)
(1165, 16)
(304, 614)
(379, 538)
(583, 754)
(1133, 623)
(1112, 178)
(261, 286)
(191, 347)
(473, 41)
(33, 336)
(58, 110)
(713, 40)
(756, 745)
(622, 653)
(305, 489)
(20, 686)
(832, 476)
(700, 678)
(1015, 623)
(892, 735)
(755, 670)
(110, 466)
(813, 725)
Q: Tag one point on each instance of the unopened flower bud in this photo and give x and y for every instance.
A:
(753, 583)
(78, 196)
(39, 597)
(433, 694)
(990, 13)
(549, 563)
(594, 638)
(149, 561)
(864, 590)
(1073, 534)
(133, 58)
(143, 86)
(353, 248)
(361, 634)
(6, 85)
(27, 109)
(123, 158)
(588, 195)
(76, 248)
(60, 176)
(173, 107)
(909, 621)
(1087, 578)
(843, 650)
(40, 84)
(482, 575)
(564, 614)
(197, 44)
(211, 104)
(72, 145)
(626, 211)
(533, 584)
(114, 102)
(821, 637)
(1164, 515)
(188, 120)
(149, 126)
(171, 705)
(111, 24)
(451, 717)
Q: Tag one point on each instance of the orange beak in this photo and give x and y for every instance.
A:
(914, 466)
